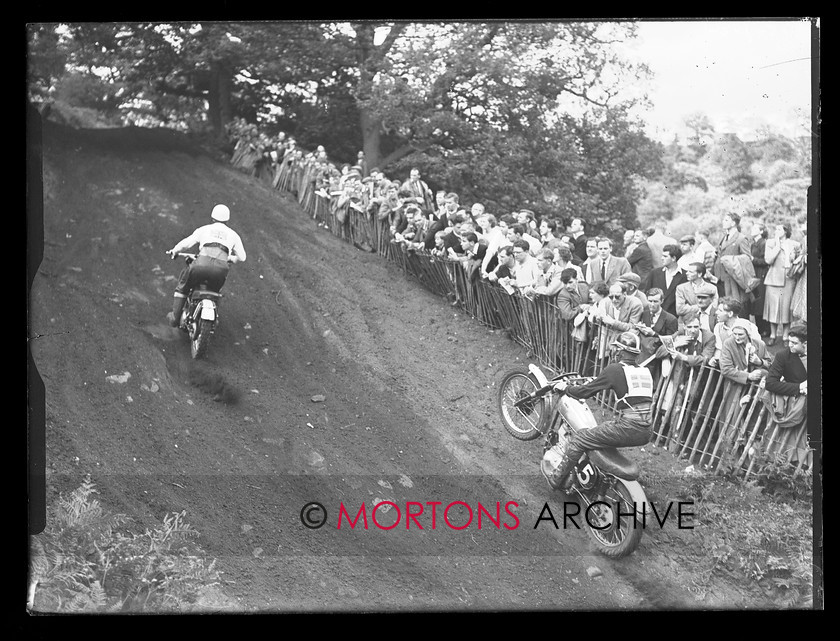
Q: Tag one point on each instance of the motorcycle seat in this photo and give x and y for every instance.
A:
(204, 293)
(614, 462)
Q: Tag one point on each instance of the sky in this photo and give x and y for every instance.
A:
(740, 74)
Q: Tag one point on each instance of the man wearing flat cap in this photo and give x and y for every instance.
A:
(686, 293)
(632, 280)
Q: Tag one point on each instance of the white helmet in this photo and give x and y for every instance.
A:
(221, 213)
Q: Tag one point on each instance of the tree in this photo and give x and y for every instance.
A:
(731, 155)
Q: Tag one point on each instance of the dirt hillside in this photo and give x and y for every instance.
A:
(403, 387)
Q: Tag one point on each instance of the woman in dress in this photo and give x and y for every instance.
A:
(779, 253)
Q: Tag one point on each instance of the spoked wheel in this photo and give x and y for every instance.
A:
(616, 536)
(200, 338)
(522, 422)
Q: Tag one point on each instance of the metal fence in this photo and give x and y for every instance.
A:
(697, 414)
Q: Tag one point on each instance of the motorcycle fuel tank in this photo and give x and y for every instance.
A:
(576, 412)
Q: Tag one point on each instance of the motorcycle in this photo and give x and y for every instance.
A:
(200, 314)
(605, 481)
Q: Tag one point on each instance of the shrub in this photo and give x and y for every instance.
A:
(86, 561)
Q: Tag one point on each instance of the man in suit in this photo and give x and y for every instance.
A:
(733, 243)
(655, 322)
(579, 238)
(589, 267)
(573, 297)
(609, 267)
(633, 281)
(667, 278)
(640, 258)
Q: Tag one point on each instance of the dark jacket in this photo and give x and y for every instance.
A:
(788, 366)
(641, 260)
(656, 278)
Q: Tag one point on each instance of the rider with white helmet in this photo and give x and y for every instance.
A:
(218, 247)
(633, 387)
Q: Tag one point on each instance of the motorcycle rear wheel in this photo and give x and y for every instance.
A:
(618, 536)
(523, 423)
(198, 344)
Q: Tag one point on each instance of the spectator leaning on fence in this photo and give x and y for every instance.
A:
(505, 267)
(727, 313)
(632, 282)
(525, 269)
(573, 297)
(692, 344)
(655, 322)
(496, 236)
(788, 374)
(548, 280)
(628, 310)
(743, 359)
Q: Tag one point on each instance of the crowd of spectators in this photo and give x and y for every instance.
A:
(692, 302)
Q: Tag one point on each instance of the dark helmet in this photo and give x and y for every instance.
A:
(628, 342)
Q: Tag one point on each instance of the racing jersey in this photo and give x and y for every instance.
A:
(215, 234)
(629, 384)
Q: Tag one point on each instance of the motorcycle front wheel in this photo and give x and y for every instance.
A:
(611, 524)
(521, 422)
(199, 340)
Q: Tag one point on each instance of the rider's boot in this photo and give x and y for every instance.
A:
(174, 316)
(559, 478)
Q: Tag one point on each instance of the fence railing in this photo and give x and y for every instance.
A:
(697, 414)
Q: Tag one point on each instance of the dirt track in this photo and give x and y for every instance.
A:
(237, 441)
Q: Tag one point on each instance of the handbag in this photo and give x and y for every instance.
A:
(787, 411)
(796, 268)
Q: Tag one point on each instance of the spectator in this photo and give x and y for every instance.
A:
(692, 344)
(657, 241)
(440, 201)
(689, 256)
(495, 236)
(528, 220)
(476, 212)
(505, 267)
(655, 322)
(473, 254)
(760, 266)
(640, 259)
(632, 281)
(525, 269)
(707, 303)
(742, 358)
(548, 280)
(452, 238)
(799, 303)
(610, 267)
(361, 163)
(563, 258)
(589, 267)
(629, 241)
(686, 293)
(573, 297)
(788, 374)
(706, 253)
(780, 253)
(733, 254)
(519, 232)
(667, 278)
(628, 310)
(419, 190)
(577, 229)
(727, 313)
(547, 228)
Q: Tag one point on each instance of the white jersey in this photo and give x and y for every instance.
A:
(218, 233)
(639, 382)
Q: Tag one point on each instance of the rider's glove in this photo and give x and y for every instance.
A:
(561, 385)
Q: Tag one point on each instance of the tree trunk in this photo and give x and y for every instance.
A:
(219, 111)
(371, 137)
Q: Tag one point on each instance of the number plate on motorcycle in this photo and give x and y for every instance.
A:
(208, 312)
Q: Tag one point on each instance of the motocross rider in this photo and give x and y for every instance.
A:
(633, 387)
(218, 247)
